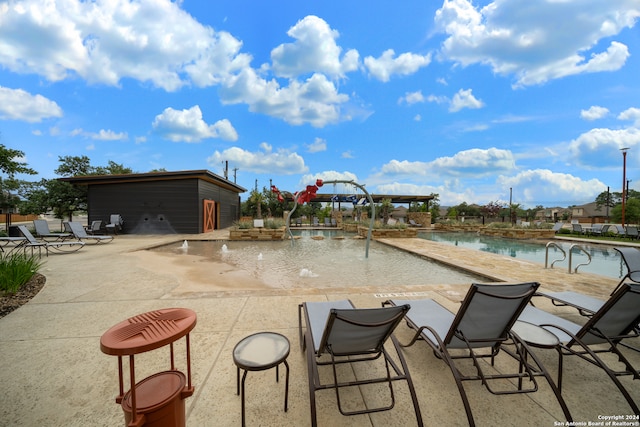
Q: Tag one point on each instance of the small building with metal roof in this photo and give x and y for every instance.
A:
(189, 202)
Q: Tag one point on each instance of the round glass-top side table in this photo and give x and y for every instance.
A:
(259, 352)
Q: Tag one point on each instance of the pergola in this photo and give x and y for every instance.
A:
(377, 198)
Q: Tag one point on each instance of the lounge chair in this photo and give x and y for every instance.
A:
(612, 323)
(412, 223)
(577, 228)
(557, 226)
(587, 305)
(115, 223)
(350, 335)
(481, 330)
(632, 232)
(62, 246)
(327, 222)
(78, 230)
(95, 228)
(596, 230)
(12, 243)
(42, 230)
(620, 231)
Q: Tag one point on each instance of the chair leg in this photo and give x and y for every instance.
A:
(554, 387)
(412, 390)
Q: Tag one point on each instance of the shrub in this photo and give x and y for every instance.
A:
(16, 269)
(274, 223)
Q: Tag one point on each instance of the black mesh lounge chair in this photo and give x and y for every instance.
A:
(95, 228)
(58, 246)
(43, 232)
(587, 305)
(78, 230)
(115, 223)
(481, 330)
(612, 323)
(350, 335)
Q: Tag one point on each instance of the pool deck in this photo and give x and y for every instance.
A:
(54, 373)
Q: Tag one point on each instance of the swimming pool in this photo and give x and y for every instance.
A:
(330, 262)
(604, 259)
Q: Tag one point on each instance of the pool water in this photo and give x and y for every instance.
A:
(604, 259)
(330, 262)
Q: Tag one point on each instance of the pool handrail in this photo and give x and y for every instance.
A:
(546, 254)
(582, 250)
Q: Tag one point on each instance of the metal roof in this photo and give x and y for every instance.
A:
(377, 198)
(202, 174)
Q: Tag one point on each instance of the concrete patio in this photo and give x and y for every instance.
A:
(54, 373)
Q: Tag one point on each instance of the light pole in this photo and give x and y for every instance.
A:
(624, 179)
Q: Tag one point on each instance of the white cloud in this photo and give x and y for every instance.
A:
(532, 40)
(474, 162)
(17, 104)
(412, 98)
(387, 64)
(594, 113)
(188, 126)
(315, 50)
(600, 148)
(108, 135)
(632, 114)
(327, 176)
(542, 185)
(106, 41)
(317, 146)
(464, 99)
(315, 101)
(102, 135)
(266, 161)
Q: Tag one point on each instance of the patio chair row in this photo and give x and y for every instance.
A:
(72, 240)
(629, 231)
(493, 319)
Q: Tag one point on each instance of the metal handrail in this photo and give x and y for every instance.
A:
(546, 255)
(579, 265)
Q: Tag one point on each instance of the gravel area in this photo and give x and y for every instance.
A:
(8, 303)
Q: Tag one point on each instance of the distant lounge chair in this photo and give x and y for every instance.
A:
(352, 336)
(577, 228)
(327, 222)
(95, 228)
(115, 223)
(587, 305)
(479, 330)
(632, 233)
(412, 223)
(615, 321)
(59, 246)
(557, 226)
(596, 229)
(42, 230)
(78, 230)
(11, 243)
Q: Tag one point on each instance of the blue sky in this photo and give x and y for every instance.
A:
(460, 98)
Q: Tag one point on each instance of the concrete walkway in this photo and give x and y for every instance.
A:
(54, 374)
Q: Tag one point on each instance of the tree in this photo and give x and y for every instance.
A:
(386, 208)
(11, 164)
(492, 209)
(435, 207)
(631, 212)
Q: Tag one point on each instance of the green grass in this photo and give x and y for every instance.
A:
(16, 269)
